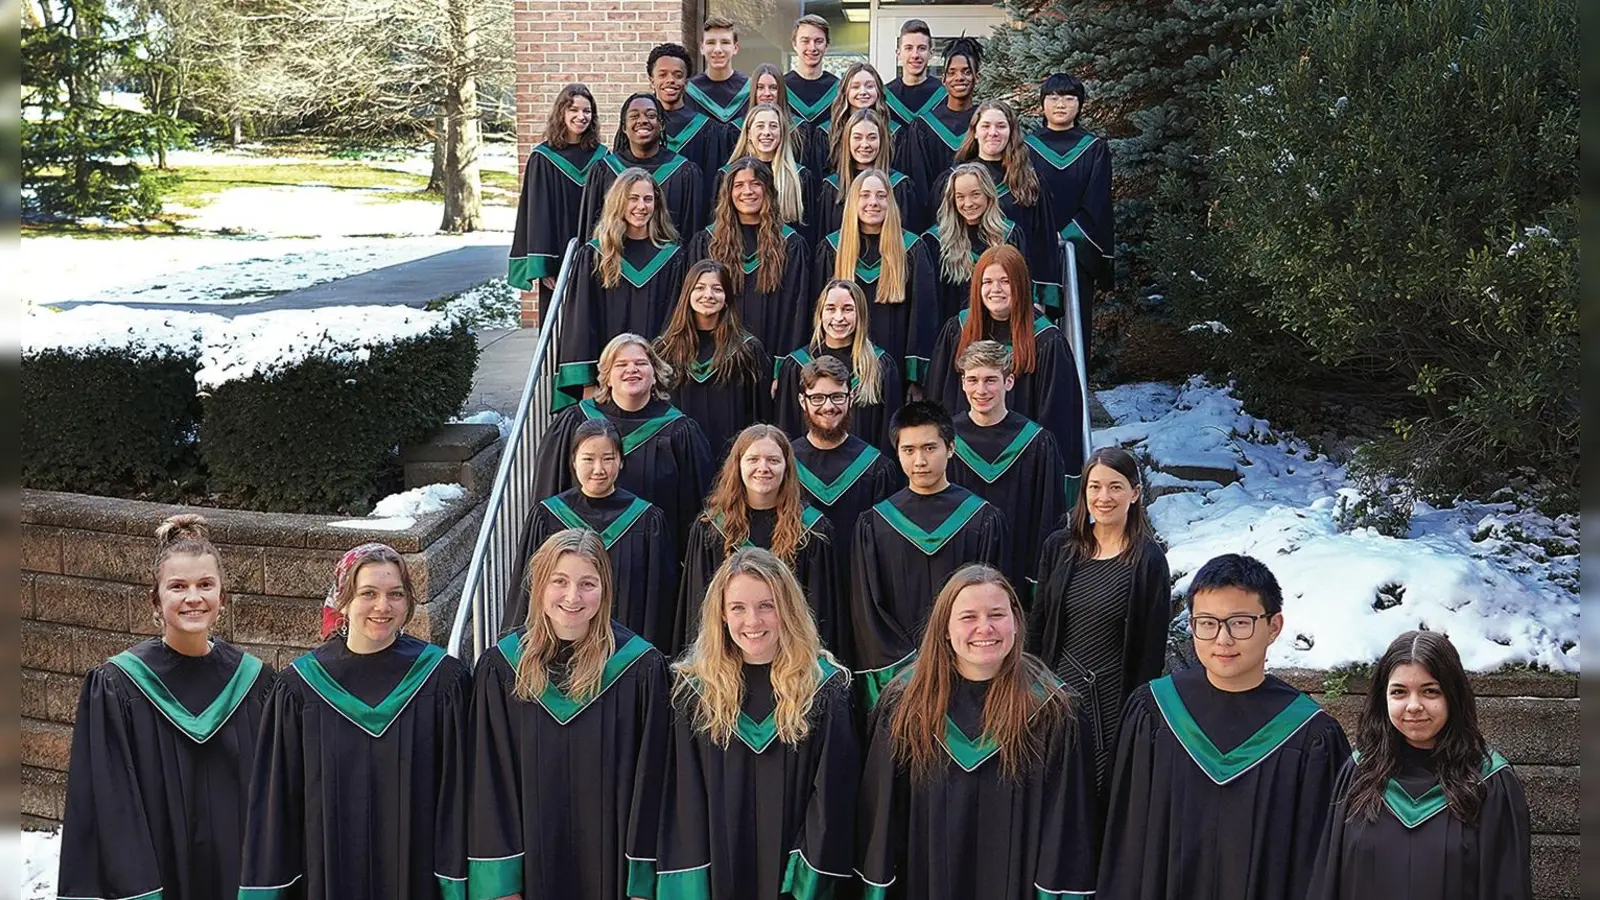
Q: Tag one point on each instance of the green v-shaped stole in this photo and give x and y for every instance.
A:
(618, 527)
(1224, 767)
(988, 470)
(968, 753)
(578, 176)
(561, 707)
(759, 735)
(723, 113)
(676, 142)
(828, 492)
(809, 111)
(1413, 811)
(1060, 160)
(1040, 323)
(929, 542)
(942, 131)
(639, 435)
(199, 728)
(809, 517)
(905, 113)
(639, 277)
(374, 720)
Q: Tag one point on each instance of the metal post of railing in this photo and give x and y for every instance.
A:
(1080, 343)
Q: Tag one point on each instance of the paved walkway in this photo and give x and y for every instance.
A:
(503, 357)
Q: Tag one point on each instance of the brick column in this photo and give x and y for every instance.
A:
(601, 43)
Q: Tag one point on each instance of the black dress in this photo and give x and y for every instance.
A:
(780, 318)
(759, 819)
(725, 408)
(870, 422)
(162, 752)
(1090, 662)
(905, 329)
(547, 211)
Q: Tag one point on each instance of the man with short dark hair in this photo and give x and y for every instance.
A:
(908, 545)
(1224, 774)
(842, 474)
(688, 132)
(912, 94)
(944, 126)
(720, 91)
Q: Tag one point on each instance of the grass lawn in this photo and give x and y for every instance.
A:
(195, 186)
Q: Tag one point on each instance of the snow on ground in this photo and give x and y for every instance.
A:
(40, 855)
(397, 512)
(1482, 572)
(488, 417)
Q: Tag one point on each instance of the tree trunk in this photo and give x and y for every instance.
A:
(463, 193)
(436, 177)
(236, 129)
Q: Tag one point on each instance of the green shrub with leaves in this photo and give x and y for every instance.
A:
(316, 435)
(1392, 212)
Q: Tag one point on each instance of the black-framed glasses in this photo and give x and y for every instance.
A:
(1240, 627)
(838, 398)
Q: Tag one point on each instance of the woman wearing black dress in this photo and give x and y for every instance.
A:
(1100, 615)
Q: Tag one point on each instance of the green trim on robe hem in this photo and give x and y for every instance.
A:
(802, 882)
(523, 271)
(245, 893)
(990, 470)
(633, 439)
(873, 681)
(930, 542)
(684, 884)
(875, 892)
(916, 369)
(1040, 893)
(1049, 295)
(491, 879)
(374, 720)
(1224, 767)
(555, 701)
(642, 878)
(199, 728)
(618, 527)
(577, 374)
(453, 888)
(1070, 485)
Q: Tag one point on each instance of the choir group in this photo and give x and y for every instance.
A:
(902, 637)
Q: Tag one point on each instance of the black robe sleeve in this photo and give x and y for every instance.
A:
(494, 792)
(882, 810)
(547, 217)
(786, 412)
(275, 840)
(1067, 815)
(795, 300)
(650, 772)
(942, 383)
(923, 293)
(690, 210)
(452, 737)
(818, 569)
(878, 639)
(827, 844)
(582, 323)
(593, 200)
(702, 556)
(1058, 399)
(1150, 614)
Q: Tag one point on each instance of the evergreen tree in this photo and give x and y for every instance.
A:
(78, 154)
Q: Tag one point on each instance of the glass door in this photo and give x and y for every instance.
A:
(945, 20)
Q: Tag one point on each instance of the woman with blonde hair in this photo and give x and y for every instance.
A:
(624, 280)
(666, 459)
(757, 502)
(969, 221)
(977, 783)
(164, 742)
(724, 373)
(867, 145)
(768, 262)
(761, 731)
(892, 267)
(361, 764)
(570, 735)
(839, 330)
(861, 87)
(999, 309)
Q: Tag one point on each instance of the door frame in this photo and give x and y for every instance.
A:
(976, 20)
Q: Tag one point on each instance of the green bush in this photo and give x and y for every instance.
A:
(106, 420)
(316, 435)
(1392, 213)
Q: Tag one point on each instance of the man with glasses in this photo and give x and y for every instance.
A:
(1224, 774)
(843, 476)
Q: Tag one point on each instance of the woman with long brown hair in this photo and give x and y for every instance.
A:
(569, 746)
(757, 502)
(1104, 600)
(839, 329)
(724, 373)
(867, 145)
(968, 220)
(552, 188)
(977, 783)
(861, 87)
(768, 135)
(873, 249)
(999, 309)
(768, 262)
(761, 798)
(1426, 809)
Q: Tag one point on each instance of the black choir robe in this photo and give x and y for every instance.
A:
(811, 103)
(1015, 465)
(905, 329)
(845, 481)
(702, 140)
(162, 752)
(722, 100)
(1074, 167)
(1419, 850)
(593, 314)
(361, 778)
(725, 408)
(666, 459)
(942, 130)
(871, 423)
(547, 211)
(779, 318)
(916, 213)
(683, 186)
(909, 103)
(566, 792)
(644, 563)
(1037, 240)
(805, 227)
(970, 831)
(816, 566)
(906, 151)
(1049, 395)
(759, 819)
(905, 549)
(956, 295)
(1218, 795)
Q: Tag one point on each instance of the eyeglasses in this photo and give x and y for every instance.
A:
(1240, 628)
(836, 399)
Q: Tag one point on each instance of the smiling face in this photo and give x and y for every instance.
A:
(865, 142)
(765, 133)
(765, 89)
(839, 317)
(1234, 663)
(862, 91)
(761, 468)
(571, 596)
(994, 289)
(994, 131)
(719, 47)
(986, 389)
(378, 608)
(707, 298)
(642, 123)
(631, 378)
(826, 405)
(749, 196)
(971, 201)
(912, 54)
(1417, 705)
(751, 614)
(924, 457)
(641, 207)
(188, 593)
(577, 117)
(958, 77)
(873, 208)
(595, 466)
(1109, 496)
(667, 80)
(809, 46)
(982, 630)
(1060, 111)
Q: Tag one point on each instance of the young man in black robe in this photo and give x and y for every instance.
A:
(720, 91)
(945, 124)
(1007, 458)
(843, 476)
(1224, 774)
(907, 545)
(1074, 169)
(810, 88)
(689, 132)
(639, 145)
(913, 95)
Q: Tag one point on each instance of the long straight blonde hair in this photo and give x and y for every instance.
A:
(611, 230)
(955, 246)
(711, 672)
(864, 361)
(892, 249)
(539, 644)
(785, 169)
(845, 166)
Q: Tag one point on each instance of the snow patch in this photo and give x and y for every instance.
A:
(40, 853)
(271, 342)
(397, 512)
(488, 417)
(136, 332)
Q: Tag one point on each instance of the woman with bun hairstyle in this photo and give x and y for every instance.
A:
(164, 742)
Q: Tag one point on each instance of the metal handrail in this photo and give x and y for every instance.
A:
(510, 499)
(1080, 346)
